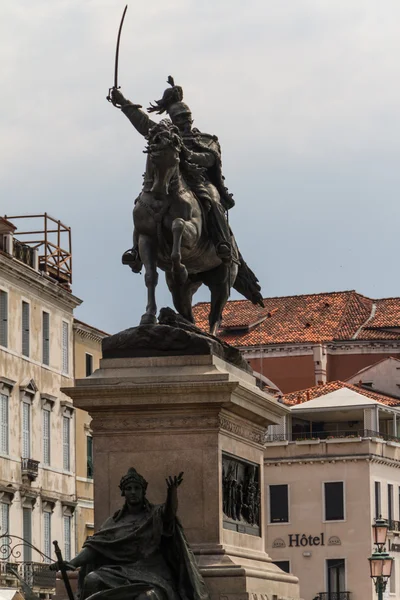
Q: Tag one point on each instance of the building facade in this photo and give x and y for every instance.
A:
(37, 421)
(87, 355)
(328, 476)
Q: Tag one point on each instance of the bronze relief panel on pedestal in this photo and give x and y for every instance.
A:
(241, 495)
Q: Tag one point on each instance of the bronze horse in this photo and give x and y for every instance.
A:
(171, 233)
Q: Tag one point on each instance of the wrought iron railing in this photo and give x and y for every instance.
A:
(334, 596)
(326, 435)
(33, 574)
(36, 575)
(29, 467)
(393, 525)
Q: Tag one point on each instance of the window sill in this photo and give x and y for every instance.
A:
(335, 521)
(280, 523)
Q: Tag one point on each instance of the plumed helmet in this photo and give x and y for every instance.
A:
(171, 102)
(132, 476)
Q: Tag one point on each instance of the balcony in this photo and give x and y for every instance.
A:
(36, 575)
(394, 525)
(29, 468)
(328, 435)
(334, 596)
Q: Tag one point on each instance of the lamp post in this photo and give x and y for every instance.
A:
(380, 563)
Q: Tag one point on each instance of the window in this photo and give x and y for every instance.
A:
(66, 443)
(278, 504)
(336, 577)
(67, 538)
(65, 347)
(4, 518)
(25, 328)
(26, 430)
(378, 510)
(3, 423)
(334, 501)
(47, 535)
(283, 564)
(46, 436)
(390, 502)
(45, 338)
(89, 364)
(89, 444)
(27, 532)
(3, 318)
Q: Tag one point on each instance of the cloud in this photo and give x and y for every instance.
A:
(303, 95)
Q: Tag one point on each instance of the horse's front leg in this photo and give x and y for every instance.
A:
(148, 254)
(178, 271)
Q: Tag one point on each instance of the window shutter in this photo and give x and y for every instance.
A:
(3, 423)
(3, 318)
(46, 437)
(46, 338)
(27, 532)
(65, 347)
(26, 430)
(25, 328)
(67, 538)
(47, 535)
(66, 440)
(4, 518)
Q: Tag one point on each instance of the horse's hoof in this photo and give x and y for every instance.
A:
(148, 319)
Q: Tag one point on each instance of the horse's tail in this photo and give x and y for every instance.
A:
(246, 283)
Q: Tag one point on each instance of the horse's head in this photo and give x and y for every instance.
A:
(164, 147)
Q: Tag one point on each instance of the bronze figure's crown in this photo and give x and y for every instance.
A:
(171, 102)
(132, 476)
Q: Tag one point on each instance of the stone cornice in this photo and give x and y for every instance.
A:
(88, 332)
(331, 459)
(335, 347)
(96, 397)
(38, 282)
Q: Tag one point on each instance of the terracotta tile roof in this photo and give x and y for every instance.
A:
(310, 318)
(321, 390)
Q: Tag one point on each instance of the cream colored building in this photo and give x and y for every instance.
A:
(328, 476)
(87, 354)
(37, 421)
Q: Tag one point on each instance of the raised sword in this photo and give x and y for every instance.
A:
(115, 86)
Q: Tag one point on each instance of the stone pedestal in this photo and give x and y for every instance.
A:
(203, 416)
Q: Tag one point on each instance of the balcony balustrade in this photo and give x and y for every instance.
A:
(334, 596)
(36, 575)
(326, 435)
(29, 468)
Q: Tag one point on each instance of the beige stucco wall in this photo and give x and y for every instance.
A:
(24, 284)
(305, 468)
(86, 340)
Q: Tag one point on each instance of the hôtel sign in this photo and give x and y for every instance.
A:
(302, 540)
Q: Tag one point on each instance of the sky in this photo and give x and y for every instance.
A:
(304, 96)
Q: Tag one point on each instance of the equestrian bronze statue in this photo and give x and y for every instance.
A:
(180, 216)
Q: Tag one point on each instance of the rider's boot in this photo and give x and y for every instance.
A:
(131, 257)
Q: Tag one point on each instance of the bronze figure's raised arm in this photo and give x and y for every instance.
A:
(180, 216)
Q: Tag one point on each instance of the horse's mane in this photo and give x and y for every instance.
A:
(168, 132)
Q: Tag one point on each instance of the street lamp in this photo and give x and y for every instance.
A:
(380, 563)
